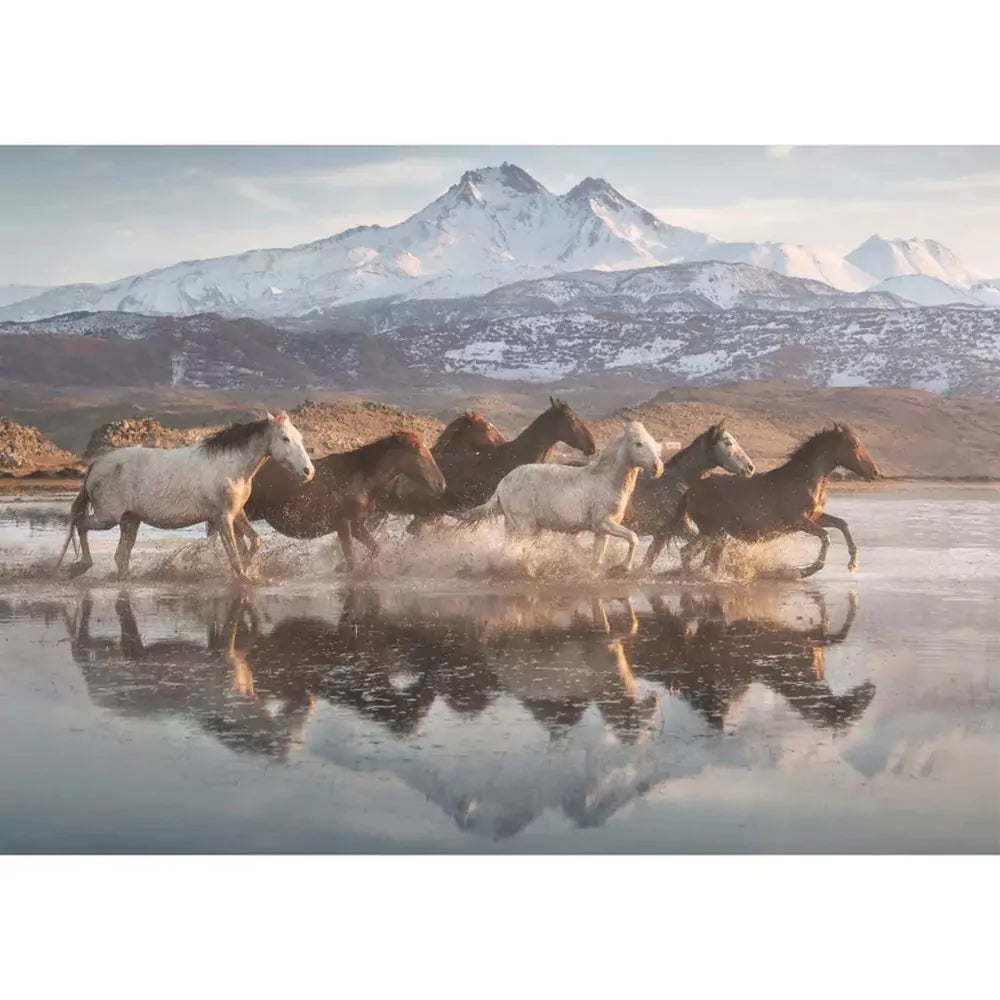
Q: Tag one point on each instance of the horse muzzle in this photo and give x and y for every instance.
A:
(308, 474)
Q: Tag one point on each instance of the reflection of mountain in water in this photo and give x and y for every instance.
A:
(603, 737)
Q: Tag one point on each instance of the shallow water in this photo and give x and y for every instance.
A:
(461, 700)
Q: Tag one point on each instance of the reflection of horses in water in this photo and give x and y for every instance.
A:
(710, 656)
(592, 684)
(210, 683)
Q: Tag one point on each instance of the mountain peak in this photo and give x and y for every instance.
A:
(507, 175)
(596, 187)
(886, 257)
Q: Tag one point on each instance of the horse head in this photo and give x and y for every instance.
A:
(727, 451)
(569, 428)
(643, 451)
(850, 453)
(285, 446)
(415, 460)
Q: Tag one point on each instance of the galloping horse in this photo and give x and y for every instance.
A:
(785, 500)
(657, 505)
(342, 495)
(573, 498)
(470, 433)
(473, 478)
(178, 487)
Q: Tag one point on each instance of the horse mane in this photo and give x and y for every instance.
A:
(234, 437)
(609, 453)
(819, 440)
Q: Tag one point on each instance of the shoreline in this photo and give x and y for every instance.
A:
(15, 488)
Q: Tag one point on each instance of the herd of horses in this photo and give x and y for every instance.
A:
(261, 471)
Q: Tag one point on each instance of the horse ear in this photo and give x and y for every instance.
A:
(268, 415)
(552, 401)
(280, 418)
(721, 425)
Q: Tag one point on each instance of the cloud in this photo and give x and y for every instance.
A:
(778, 152)
(259, 194)
(391, 173)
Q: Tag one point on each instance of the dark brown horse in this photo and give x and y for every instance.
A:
(470, 433)
(342, 495)
(473, 478)
(785, 500)
(657, 506)
(710, 655)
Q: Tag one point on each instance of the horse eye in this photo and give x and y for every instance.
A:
(285, 438)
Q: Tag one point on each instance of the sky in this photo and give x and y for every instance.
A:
(97, 213)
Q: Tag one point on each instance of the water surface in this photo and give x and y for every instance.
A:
(449, 713)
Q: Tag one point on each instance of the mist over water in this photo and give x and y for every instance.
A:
(457, 696)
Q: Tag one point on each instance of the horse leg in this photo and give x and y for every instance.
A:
(713, 557)
(656, 546)
(829, 521)
(89, 522)
(363, 535)
(247, 537)
(344, 533)
(224, 526)
(811, 528)
(609, 527)
(129, 529)
(692, 549)
(600, 544)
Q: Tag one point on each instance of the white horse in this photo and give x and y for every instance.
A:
(177, 487)
(574, 498)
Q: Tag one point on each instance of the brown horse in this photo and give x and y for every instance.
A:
(341, 496)
(470, 433)
(710, 657)
(473, 478)
(785, 500)
(657, 506)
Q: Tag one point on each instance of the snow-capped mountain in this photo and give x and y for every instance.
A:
(987, 291)
(889, 258)
(10, 294)
(794, 261)
(924, 290)
(494, 227)
(690, 286)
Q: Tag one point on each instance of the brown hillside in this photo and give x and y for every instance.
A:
(908, 432)
(24, 449)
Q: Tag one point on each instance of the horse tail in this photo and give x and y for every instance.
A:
(476, 516)
(77, 510)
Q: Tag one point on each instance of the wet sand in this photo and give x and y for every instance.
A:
(467, 702)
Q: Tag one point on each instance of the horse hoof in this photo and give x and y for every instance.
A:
(78, 569)
(619, 571)
(852, 566)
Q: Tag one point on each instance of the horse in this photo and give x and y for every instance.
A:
(656, 507)
(473, 478)
(178, 487)
(470, 433)
(342, 495)
(710, 655)
(788, 499)
(572, 498)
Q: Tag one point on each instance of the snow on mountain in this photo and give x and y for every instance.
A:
(924, 290)
(794, 261)
(987, 291)
(9, 294)
(884, 258)
(693, 286)
(496, 225)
